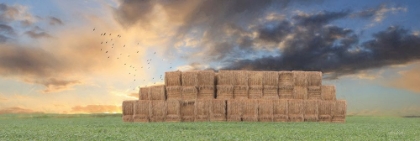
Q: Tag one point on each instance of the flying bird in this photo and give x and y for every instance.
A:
(93, 29)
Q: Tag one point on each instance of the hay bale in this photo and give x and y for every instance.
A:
(250, 110)
(300, 92)
(187, 110)
(280, 110)
(128, 110)
(240, 91)
(174, 92)
(127, 118)
(299, 78)
(159, 111)
(255, 91)
(189, 78)
(173, 78)
(270, 92)
(202, 110)
(265, 110)
(286, 78)
(206, 78)
(157, 92)
(225, 77)
(296, 110)
(286, 92)
(234, 110)
(328, 92)
(224, 92)
(144, 93)
(141, 111)
(206, 92)
(241, 77)
(255, 78)
(310, 110)
(314, 78)
(271, 78)
(189, 92)
(314, 92)
(338, 111)
(324, 110)
(173, 111)
(218, 110)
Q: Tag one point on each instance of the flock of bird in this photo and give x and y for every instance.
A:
(110, 47)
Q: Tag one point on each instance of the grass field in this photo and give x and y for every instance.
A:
(110, 127)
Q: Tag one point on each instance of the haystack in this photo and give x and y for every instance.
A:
(240, 91)
(224, 92)
(328, 92)
(241, 77)
(218, 110)
(141, 111)
(158, 113)
(206, 92)
(339, 111)
(173, 78)
(311, 110)
(314, 92)
(225, 77)
(286, 92)
(173, 111)
(270, 92)
(324, 110)
(174, 92)
(300, 92)
(234, 110)
(280, 110)
(144, 93)
(265, 110)
(286, 78)
(206, 78)
(187, 110)
(127, 110)
(250, 110)
(299, 78)
(157, 92)
(271, 78)
(314, 78)
(255, 91)
(189, 92)
(202, 110)
(296, 110)
(189, 78)
(255, 78)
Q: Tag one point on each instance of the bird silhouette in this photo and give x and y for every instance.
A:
(93, 29)
(106, 52)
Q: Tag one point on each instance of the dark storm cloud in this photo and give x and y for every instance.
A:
(55, 21)
(6, 32)
(54, 85)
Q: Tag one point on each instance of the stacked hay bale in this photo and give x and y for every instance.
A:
(218, 110)
(225, 82)
(128, 111)
(173, 110)
(314, 85)
(286, 84)
(250, 110)
(202, 110)
(173, 85)
(300, 85)
(234, 110)
(280, 110)
(158, 111)
(187, 110)
(310, 110)
(157, 92)
(141, 111)
(296, 107)
(255, 84)
(265, 110)
(144, 93)
(240, 86)
(338, 112)
(326, 104)
(189, 81)
(270, 84)
(206, 87)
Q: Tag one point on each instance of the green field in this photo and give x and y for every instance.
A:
(110, 127)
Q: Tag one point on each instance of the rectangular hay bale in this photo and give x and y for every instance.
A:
(270, 92)
(286, 92)
(206, 77)
(271, 78)
(173, 111)
(324, 110)
(128, 110)
(296, 108)
(234, 110)
(265, 110)
(299, 78)
(157, 92)
(174, 92)
(250, 110)
(225, 77)
(240, 91)
(300, 92)
(189, 78)
(224, 92)
(159, 111)
(144, 93)
(189, 92)
(314, 92)
(218, 110)
(280, 110)
(206, 92)
(314, 78)
(173, 78)
(328, 92)
(311, 110)
(187, 110)
(141, 111)
(202, 110)
(255, 78)
(286, 78)
(255, 91)
(241, 77)
(338, 111)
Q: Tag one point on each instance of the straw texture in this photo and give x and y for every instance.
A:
(224, 92)
(240, 91)
(241, 77)
(141, 111)
(324, 109)
(158, 113)
(339, 111)
(328, 93)
(157, 92)
(173, 111)
(296, 110)
(311, 110)
(144, 93)
(174, 92)
(286, 78)
(202, 110)
(300, 78)
(280, 111)
(234, 110)
(189, 78)
(314, 92)
(189, 92)
(225, 77)
(218, 110)
(286, 92)
(250, 110)
(314, 78)
(206, 78)
(271, 78)
(255, 92)
(270, 92)
(173, 78)
(265, 110)
(206, 92)
(255, 78)
(300, 92)
(187, 110)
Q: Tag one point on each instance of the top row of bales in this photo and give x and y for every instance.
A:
(239, 77)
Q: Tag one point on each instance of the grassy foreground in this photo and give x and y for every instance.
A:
(110, 127)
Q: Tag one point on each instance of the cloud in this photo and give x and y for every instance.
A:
(56, 85)
(37, 35)
(17, 110)
(409, 80)
(15, 13)
(55, 21)
(6, 32)
(379, 13)
(135, 95)
(96, 109)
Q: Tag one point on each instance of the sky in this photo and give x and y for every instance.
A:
(87, 56)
